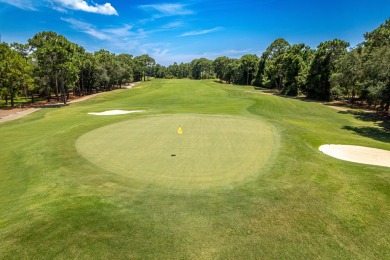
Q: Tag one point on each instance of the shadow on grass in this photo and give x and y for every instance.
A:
(382, 121)
(371, 132)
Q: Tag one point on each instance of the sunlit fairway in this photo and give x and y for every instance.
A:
(244, 180)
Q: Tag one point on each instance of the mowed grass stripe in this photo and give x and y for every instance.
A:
(212, 151)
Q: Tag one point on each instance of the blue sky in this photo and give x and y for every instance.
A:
(181, 31)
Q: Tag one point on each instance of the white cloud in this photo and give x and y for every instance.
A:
(120, 32)
(114, 35)
(125, 38)
(63, 5)
(164, 10)
(172, 25)
(22, 4)
(81, 5)
(86, 28)
(193, 33)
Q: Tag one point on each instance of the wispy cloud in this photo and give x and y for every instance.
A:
(86, 28)
(164, 10)
(113, 33)
(81, 5)
(131, 39)
(22, 4)
(193, 33)
(172, 25)
(124, 31)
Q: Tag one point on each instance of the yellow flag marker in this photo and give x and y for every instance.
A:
(179, 131)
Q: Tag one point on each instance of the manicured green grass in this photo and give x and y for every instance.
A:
(210, 151)
(56, 203)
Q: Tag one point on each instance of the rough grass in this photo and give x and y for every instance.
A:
(56, 204)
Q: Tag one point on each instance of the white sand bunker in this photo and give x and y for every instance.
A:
(115, 112)
(357, 154)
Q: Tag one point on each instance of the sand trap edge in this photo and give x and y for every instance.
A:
(357, 154)
(115, 112)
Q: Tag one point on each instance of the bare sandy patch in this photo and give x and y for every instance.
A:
(115, 112)
(16, 114)
(131, 85)
(344, 109)
(83, 98)
(260, 92)
(357, 154)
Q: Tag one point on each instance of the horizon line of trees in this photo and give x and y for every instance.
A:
(50, 65)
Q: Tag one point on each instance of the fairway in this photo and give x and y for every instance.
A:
(244, 179)
(212, 151)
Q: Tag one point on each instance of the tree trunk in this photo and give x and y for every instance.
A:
(63, 92)
(82, 83)
(32, 96)
(48, 94)
(57, 90)
(12, 97)
(25, 90)
(62, 88)
(280, 80)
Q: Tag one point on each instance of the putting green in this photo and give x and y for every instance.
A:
(211, 151)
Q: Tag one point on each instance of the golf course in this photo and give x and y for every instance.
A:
(196, 170)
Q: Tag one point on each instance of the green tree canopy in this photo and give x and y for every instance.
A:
(249, 64)
(15, 73)
(379, 37)
(271, 71)
(321, 68)
(56, 61)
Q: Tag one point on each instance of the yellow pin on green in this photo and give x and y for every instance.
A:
(179, 131)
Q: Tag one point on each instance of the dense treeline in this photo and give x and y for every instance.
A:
(51, 65)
